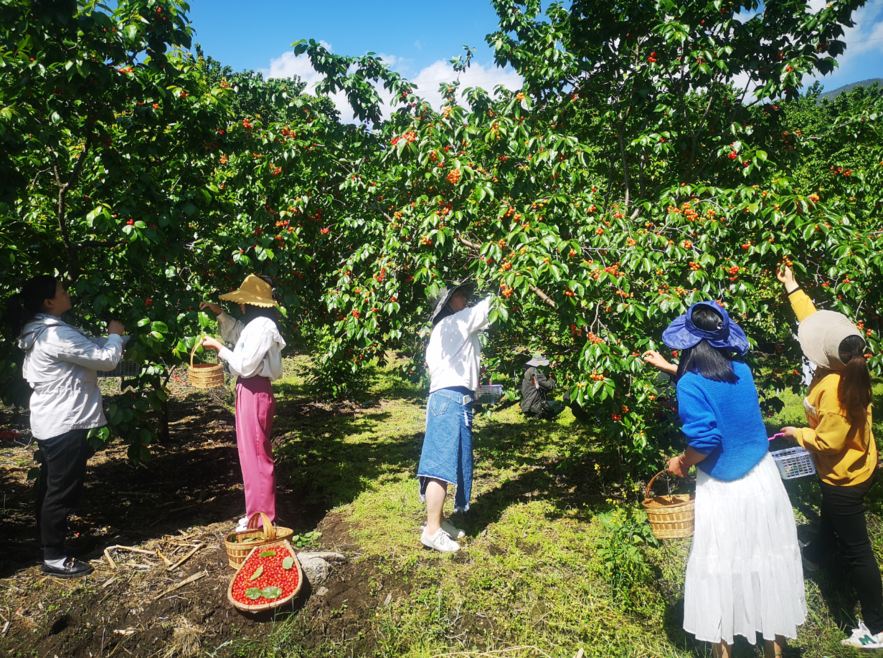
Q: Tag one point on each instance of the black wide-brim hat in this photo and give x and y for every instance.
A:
(441, 298)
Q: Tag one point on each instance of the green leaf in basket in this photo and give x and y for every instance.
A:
(254, 593)
(257, 573)
(288, 562)
(272, 592)
(249, 540)
(266, 553)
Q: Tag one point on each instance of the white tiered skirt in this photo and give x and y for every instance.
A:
(744, 574)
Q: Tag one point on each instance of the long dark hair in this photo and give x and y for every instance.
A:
(23, 306)
(253, 312)
(854, 390)
(710, 362)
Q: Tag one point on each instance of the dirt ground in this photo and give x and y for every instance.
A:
(188, 496)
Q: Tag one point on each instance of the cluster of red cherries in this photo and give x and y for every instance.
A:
(267, 576)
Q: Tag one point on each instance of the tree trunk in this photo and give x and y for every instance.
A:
(162, 425)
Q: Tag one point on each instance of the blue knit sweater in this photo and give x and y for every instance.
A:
(723, 421)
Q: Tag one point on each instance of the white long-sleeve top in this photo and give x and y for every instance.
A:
(454, 350)
(258, 347)
(61, 364)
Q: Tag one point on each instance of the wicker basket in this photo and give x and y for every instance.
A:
(279, 602)
(205, 375)
(237, 552)
(671, 517)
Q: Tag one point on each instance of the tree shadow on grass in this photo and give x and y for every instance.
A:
(572, 482)
(195, 479)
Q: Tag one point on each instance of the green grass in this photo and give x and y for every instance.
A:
(549, 510)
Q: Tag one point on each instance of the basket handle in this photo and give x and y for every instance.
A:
(269, 528)
(650, 484)
(195, 347)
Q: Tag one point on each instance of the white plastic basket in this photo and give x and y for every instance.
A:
(489, 394)
(125, 369)
(794, 463)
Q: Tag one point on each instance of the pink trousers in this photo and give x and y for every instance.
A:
(255, 407)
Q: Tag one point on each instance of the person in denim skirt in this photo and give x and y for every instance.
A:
(452, 356)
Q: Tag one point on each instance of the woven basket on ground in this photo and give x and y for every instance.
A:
(671, 517)
(278, 602)
(237, 551)
(205, 375)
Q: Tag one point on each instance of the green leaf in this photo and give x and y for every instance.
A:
(257, 573)
(272, 592)
(288, 562)
(267, 553)
(254, 593)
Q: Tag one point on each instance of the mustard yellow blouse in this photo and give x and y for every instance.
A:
(844, 454)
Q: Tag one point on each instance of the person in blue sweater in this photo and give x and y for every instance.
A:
(744, 574)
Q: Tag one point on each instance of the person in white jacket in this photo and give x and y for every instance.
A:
(61, 365)
(453, 356)
(256, 360)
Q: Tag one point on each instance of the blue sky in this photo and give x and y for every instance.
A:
(418, 38)
(417, 34)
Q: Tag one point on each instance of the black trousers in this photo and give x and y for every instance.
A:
(843, 517)
(62, 474)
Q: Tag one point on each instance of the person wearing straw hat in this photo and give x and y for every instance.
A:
(61, 364)
(535, 385)
(452, 356)
(744, 574)
(256, 360)
(841, 441)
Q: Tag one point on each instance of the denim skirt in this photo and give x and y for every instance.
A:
(447, 447)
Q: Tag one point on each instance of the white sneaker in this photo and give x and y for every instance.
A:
(452, 530)
(440, 541)
(242, 524)
(862, 638)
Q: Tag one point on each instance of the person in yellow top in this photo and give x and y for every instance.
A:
(839, 436)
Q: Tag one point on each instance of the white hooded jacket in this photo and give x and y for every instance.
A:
(61, 365)
(454, 350)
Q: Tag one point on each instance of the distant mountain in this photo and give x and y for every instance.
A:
(864, 83)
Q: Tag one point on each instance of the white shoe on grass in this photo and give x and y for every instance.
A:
(242, 524)
(862, 639)
(440, 541)
(452, 530)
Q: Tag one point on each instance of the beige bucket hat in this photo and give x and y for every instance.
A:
(820, 336)
(254, 291)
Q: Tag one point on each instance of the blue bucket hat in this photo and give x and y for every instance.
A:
(682, 334)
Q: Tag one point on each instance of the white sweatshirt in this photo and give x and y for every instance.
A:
(454, 350)
(258, 347)
(61, 365)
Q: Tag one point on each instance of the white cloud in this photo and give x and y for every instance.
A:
(477, 75)
(427, 80)
(858, 62)
(864, 44)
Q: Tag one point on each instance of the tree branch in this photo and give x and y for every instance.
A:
(61, 212)
(95, 243)
(539, 293)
